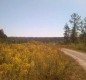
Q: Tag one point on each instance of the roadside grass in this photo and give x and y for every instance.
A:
(78, 46)
(73, 71)
(37, 61)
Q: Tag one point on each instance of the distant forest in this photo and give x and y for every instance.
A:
(4, 38)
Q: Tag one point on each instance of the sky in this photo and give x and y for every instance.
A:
(38, 18)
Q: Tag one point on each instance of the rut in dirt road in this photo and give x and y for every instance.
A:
(78, 56)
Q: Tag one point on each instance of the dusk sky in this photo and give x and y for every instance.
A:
(38, 18)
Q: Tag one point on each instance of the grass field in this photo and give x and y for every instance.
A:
(37, 61)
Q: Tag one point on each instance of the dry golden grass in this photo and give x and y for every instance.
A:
(37, 61)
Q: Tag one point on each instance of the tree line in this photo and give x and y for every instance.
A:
(75, 31)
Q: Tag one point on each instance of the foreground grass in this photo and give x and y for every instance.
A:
(37, 61)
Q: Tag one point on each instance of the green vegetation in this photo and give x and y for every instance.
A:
(37, 61)
(79, 46)
(2, 36)
(75, 34)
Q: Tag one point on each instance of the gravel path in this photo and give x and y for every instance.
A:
(78, 56)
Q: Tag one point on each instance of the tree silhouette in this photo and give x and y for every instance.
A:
(66, 33)
(2, 35)
(75, 22)
(83, 30)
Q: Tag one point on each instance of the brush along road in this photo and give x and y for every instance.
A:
(78, 56)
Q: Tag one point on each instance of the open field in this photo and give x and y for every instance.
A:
(42, 40)
(37, 61)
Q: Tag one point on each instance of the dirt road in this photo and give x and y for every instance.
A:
(78, 56)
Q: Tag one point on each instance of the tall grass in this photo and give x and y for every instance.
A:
(36, 61)
(77, 46)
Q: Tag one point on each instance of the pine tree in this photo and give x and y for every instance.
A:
(66, 33)
(75, 22)
(83, 30)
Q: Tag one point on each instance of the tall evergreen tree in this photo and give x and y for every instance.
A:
(75, 22)
(83, 30)
(66, 33)
(85, 25)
